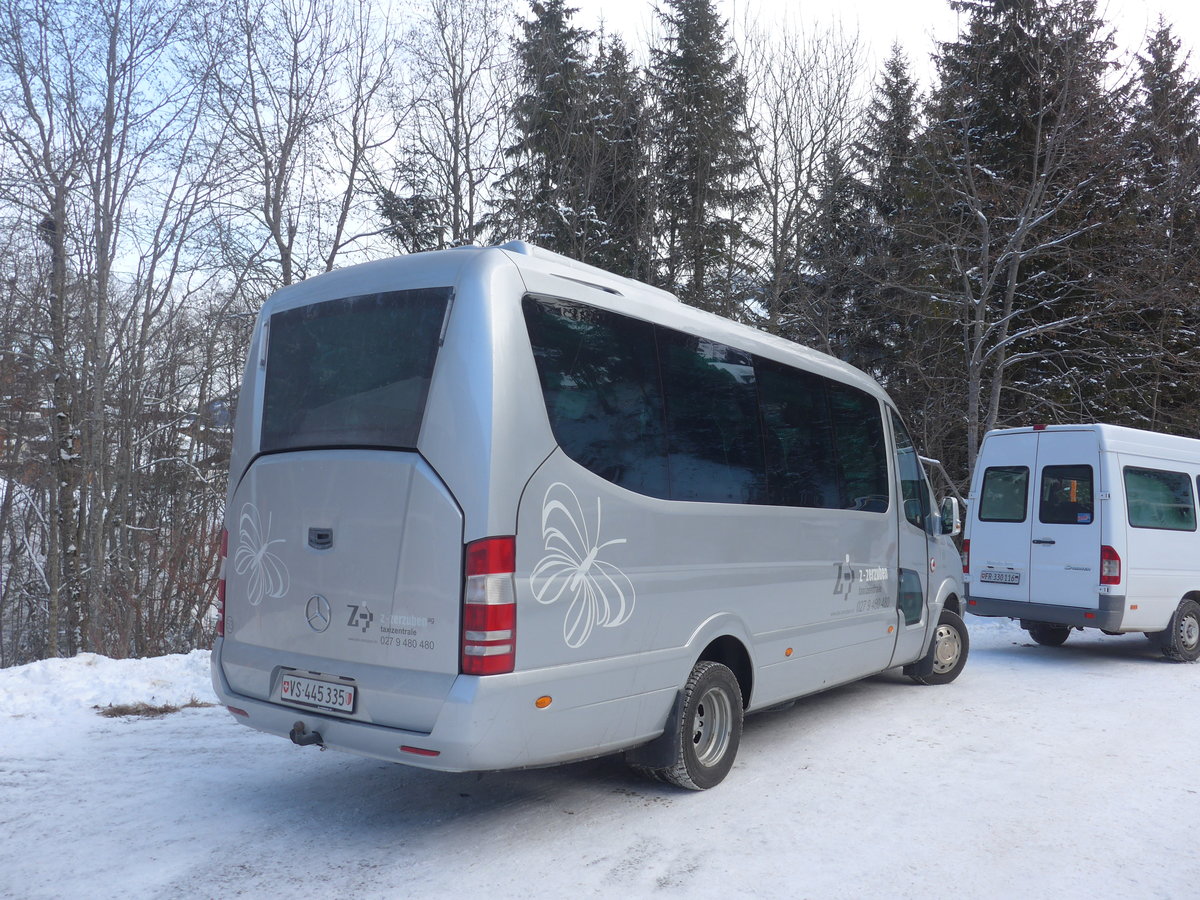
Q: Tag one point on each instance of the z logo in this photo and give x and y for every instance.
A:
(360, 617)
(845, 574)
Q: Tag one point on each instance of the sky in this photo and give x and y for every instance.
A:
(915, 24)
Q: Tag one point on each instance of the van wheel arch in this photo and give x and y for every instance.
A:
(660, 758)
(952, 603)
(731, 653)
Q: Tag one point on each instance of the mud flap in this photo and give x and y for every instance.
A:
(923, 666)
(663, 751)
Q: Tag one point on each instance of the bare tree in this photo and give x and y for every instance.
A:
(803, 105)
(301, 87)
(100, 110)
(453, 121)
(1019, 186)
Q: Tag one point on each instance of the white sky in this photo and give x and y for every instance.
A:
(916, 24)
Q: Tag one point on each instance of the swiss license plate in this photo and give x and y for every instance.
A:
(1000, 577)
(318, 694)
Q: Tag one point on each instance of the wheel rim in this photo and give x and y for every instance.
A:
(1189, 632)
(947, 648)
(712, 726)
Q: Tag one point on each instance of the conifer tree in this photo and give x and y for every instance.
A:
(1156, 335)
(618, 234)
(703, 153)
(540, 193)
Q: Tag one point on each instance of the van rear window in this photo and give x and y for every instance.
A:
(1004, 494)
(1066, 497)
(351, 372)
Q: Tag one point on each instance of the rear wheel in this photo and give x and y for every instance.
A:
(1181, 640)
(709, 729)
(948, 652)
(1049, 635)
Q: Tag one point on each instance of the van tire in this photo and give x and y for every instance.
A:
(947, 652)
(1181, 640)
(708, 731)
(1049, 635)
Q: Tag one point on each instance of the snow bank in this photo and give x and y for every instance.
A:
(52, 687)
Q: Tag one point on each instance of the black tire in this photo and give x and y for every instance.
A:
(1181, 640)
(709, 729)
(947, 651)
(1049, 635)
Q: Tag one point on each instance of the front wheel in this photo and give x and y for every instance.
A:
(1181, 640)
(709, 729)
(947, 654)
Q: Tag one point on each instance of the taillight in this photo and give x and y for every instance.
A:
(1110, 566)
(221, 583)
(966, 557)
(489, 624)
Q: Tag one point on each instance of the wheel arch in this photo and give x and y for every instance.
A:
(730, 652)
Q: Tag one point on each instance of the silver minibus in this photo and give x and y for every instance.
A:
(492, 508)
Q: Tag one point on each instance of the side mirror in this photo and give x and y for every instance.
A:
(951, 517)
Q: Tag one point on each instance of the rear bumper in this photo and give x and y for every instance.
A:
(1107, 614)
(486, 723)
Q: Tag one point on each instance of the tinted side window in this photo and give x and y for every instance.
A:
(1005, 494)
(1158, 499)
(599, 377)
(862, 452)
(1066, 497)
(913, 488)
(715, 440)
(801, 458)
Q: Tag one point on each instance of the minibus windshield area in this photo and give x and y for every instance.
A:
(351, 372)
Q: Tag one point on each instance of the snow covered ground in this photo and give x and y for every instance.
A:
(1067, 772)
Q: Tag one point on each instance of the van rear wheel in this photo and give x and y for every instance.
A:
(709, 729)
(1049, 635)
(1181, 640)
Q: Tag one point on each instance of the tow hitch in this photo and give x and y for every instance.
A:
(302, 737)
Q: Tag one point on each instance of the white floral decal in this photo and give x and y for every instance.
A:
(600, 594)
(268, 574)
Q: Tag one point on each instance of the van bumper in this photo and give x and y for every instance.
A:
(1107, 614)
(486, 723)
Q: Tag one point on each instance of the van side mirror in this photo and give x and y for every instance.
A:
(951, 517)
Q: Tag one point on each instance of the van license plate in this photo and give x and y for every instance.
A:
(1000, 577)
(317, 694)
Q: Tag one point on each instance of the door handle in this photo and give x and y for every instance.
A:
(1042, 541)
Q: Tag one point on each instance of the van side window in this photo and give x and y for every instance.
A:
(680, 417)
(1004, 494)
(1158, 499)
(1066, 497)
(801, 456)
(913, 489)
(599, 377)
(715, 444)
(862, 452)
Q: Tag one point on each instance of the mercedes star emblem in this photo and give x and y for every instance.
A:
(318, 613)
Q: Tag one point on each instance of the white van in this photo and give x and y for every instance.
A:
(492, 508)
(1087, 526)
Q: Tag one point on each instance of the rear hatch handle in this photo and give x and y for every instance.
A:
(1042, 541)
